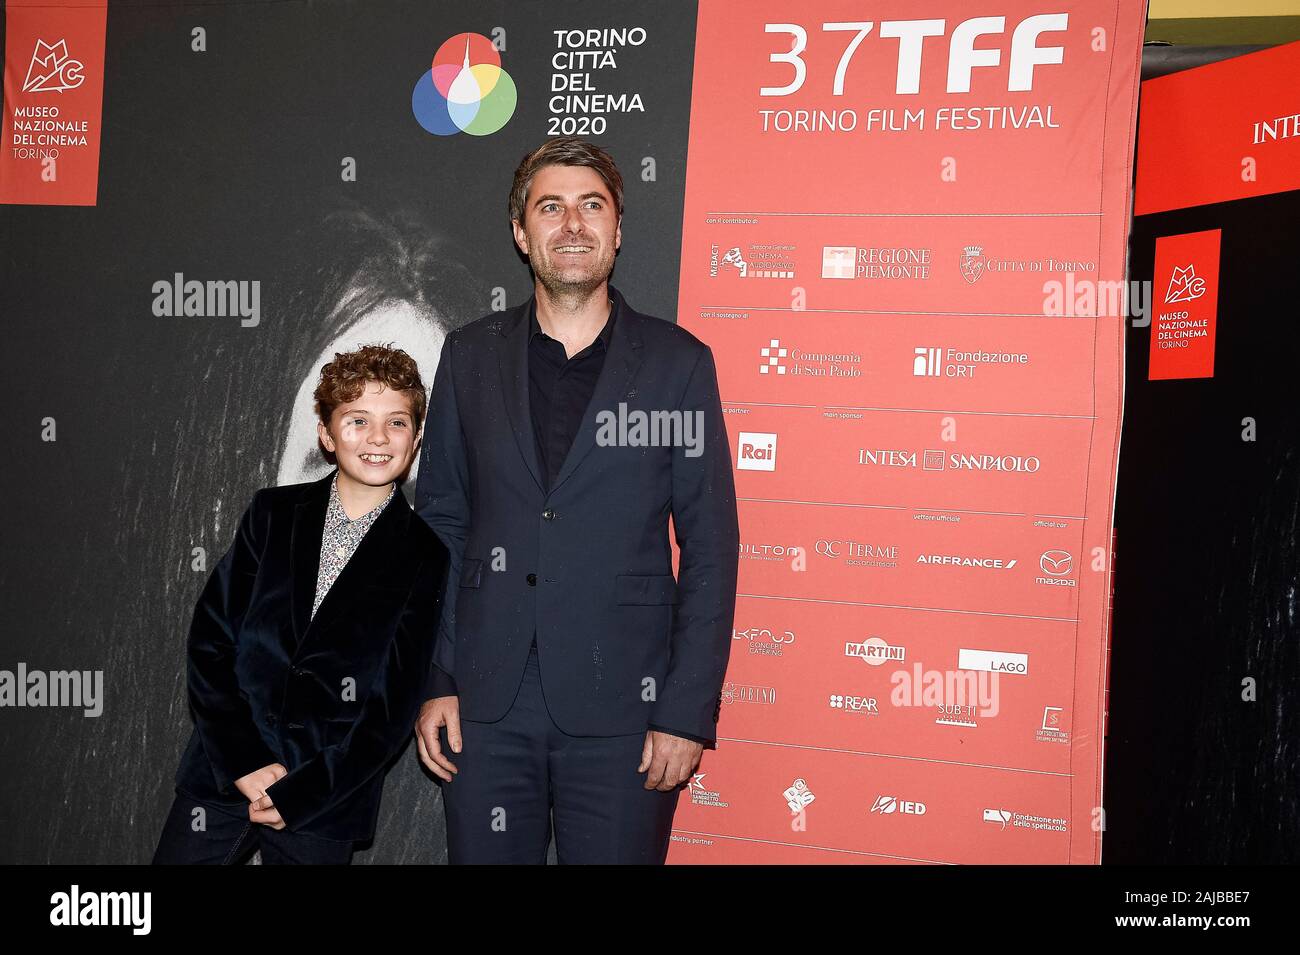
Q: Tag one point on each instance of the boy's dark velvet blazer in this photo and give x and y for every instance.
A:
(331, 698)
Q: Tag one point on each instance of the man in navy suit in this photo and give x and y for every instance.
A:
(574, 677)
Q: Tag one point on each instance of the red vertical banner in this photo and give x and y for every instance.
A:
(1186, 291)
(53, 99)
(904, 239)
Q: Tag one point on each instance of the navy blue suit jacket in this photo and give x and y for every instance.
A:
(587, 566)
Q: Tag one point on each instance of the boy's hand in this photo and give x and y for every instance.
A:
(435, 714)
(255, 784)
(263, 811)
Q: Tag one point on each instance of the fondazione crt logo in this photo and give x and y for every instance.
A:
(466, 91)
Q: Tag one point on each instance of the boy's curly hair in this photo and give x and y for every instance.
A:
(344, 379)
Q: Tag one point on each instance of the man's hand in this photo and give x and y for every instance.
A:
(254, 786)
(435, 714)
(263, 811)
(670, 760)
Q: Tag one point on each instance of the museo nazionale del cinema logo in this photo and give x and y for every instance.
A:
(53, 69)
(465, 91)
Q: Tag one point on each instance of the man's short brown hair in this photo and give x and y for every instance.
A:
(344, 379)
(565, 151)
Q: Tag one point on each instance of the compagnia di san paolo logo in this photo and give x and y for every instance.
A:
(466, 91)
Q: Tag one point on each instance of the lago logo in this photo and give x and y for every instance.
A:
(466, 91)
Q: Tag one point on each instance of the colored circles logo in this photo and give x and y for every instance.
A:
(466, 91)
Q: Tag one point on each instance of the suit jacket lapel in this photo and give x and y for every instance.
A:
(374, 552)
(513, 354)
(308, 526)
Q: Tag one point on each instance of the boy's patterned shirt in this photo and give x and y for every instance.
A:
(340, 539)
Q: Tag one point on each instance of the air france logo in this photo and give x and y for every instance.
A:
(52, 69)
(466, 91)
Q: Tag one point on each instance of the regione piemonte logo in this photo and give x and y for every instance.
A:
(52, 69)
(839, 261)
(466, 91)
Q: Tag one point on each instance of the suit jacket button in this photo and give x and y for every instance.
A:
(272, 718)
(532, 580)
(548, 514)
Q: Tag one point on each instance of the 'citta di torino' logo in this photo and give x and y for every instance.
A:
(465, 91)
(972, 263)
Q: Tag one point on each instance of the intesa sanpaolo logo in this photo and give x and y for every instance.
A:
(466, 91)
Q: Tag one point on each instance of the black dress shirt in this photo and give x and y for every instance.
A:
(559, 389)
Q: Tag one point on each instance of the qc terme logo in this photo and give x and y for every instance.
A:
(466, 91)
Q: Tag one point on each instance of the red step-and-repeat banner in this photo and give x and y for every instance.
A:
(904, 239)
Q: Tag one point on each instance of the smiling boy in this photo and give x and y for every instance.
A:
(312, 639)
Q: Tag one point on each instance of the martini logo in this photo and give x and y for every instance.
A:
(466, 91)
(874, 651)
(52, 70)
(1184, 285)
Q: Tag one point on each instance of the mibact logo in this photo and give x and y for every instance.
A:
(466, 91)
